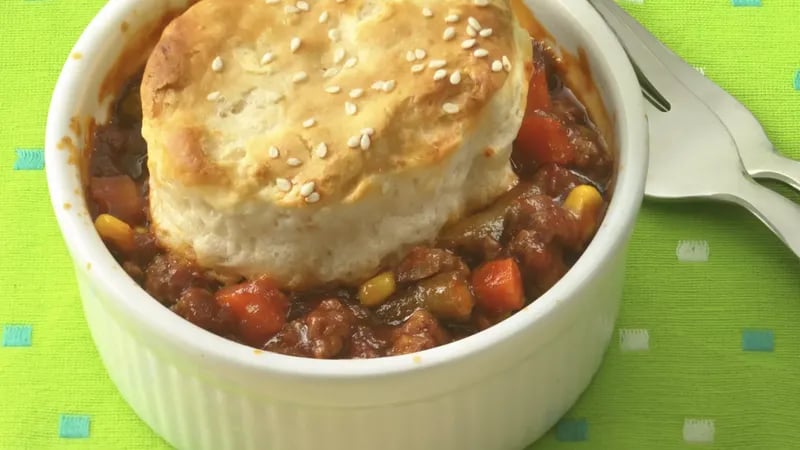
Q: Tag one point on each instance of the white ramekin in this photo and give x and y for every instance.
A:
(499, 389)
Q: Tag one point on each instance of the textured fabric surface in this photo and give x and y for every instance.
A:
(706, 347)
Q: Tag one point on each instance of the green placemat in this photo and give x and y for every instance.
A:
(707, 350)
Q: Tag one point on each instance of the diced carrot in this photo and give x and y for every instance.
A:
(538, 94)
(498, 286)
(544, 139)
(119, 197)
(259, 307)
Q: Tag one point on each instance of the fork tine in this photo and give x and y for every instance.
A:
(759, 155)
(664, 53)
(649, 64)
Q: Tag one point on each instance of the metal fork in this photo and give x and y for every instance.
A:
(692, 154)
(760, 158)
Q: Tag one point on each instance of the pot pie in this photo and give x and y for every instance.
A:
(345, 178)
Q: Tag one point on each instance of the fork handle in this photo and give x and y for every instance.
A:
(774, 166)
(778, 213)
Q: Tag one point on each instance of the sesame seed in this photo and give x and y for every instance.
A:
(365, 142)
(420, 53)
(333, 89)
(217, 65)
(410, 56)
(356, 93)
(497, 65)
(471, 31)
(273, 152)
(267, 58)
(294, 44)
(427, 12)
(455, 78)
(437, 63)
(294, 162)
(388, 86)
(350, 108)
(340, 1)
(481, 53)
(314, 197)
(377, 86)
(283, 184)
(214, 96)
(290, 9)
(467, 44)
(354, 141)
(350, 63)
(308, 123)
(439, 75)
(449, 33)
(330, 72)
(486, 32)
(451, 108)
(302, 6)
(334, 34)
(473, 22)
(308, 188)
(272, 2)
(323, 17)
(299, 77)
(481, 3)
(452, 18)
(338, 55)
(417, 68)
(368, 131)
(506, 63)
(321, 150)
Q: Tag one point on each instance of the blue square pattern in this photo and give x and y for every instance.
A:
(72, 426)
(797, 80)
(572, 430)
(758, 340)
(746, 2)
(17, 335)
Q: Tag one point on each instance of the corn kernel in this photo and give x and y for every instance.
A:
(377, 290)
(585, 202)
(115, 231)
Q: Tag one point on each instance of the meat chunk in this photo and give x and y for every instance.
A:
(322, 333)
(479, 235)
(542, 260)
(329, 327)
(591, 156)
(425, 262)
(555, 181)
(118, 150)
(364, 343)
(543, 215)
(201, 308)
(167, 277)
(420, 332)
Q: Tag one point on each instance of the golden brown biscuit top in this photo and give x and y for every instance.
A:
(305, 102)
